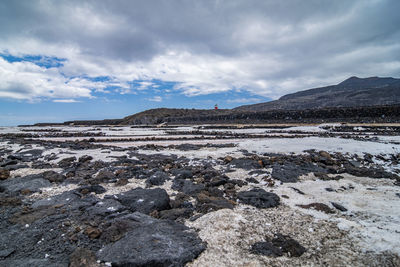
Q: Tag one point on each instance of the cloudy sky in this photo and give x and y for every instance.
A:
(62, 60)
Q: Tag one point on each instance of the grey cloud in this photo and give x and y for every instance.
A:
(315, 41)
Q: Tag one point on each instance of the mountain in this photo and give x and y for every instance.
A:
(353, 92)
(371, 99)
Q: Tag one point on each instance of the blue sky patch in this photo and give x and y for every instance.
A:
(41, 61)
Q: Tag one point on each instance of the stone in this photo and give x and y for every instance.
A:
(85, 158)
(144, 200)
(245, 163)
(6, 252)
(158, 178)
(317, 206)
(338, 206)
(259, 198)
(105, 176)
(67, 162)
(122, 182)
(207, 203)
(266, 248)
(182, 174)
(187, 187)
(97, 189)
(228, 159)
(105, 207)
(217, 181)
(174, 214)
(252, 180)
(82, 257)
(31, 182)
(288, 245)
(289, 172)
(152, 242)
(4, 174)
(53, 176)
(92, 232)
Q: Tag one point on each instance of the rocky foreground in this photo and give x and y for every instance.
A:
(180, 197)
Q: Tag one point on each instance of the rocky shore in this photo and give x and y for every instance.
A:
(110, 200)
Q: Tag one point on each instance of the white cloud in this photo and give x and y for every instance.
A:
(65, 101)
(156, 99)
(265, 47)
(244, 100)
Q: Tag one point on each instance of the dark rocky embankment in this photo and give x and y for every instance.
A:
(370, 114)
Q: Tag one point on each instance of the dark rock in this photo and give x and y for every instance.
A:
(97, 189)
(6, 252)
(85, 158)
(121, 182)
(266, 248)
(105, 207)
(259, 198)
(209, 173)
(67, 162)
(8, 162)
(174, 214)
(228, 159)
(370, 172)
(322, 176)
(245, 163)
(82, 257)
(238, 182)
(252, 180)
(338, 206)
(10, 201)
(288, 245)
(92, 232)
(158, 178)
(217, 181)
(153, 242)
(207, 203)
(290, 172)
(297, 190)
(69, 198)
(187, 187)
(116, 229)
(17, 167)
(355, 164)
(144, 200)
(30, 182)
(4, 174)
(180, 201)
(215, 192)
(53, 176)
(28, 262)
(317, 206)
(105, 176)
(182, 174)
(187, 147)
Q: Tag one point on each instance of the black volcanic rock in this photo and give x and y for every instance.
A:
(259, 198)
(144, 200)
(152, 242)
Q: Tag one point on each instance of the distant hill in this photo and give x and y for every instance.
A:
(159, 115)
(371, 99)
(353, 92)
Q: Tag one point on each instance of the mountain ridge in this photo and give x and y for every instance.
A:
(352, 92)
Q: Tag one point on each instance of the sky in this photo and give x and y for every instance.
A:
(70, 60)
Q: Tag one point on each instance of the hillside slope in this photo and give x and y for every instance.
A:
(353, 92)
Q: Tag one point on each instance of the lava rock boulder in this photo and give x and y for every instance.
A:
(259, 198)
